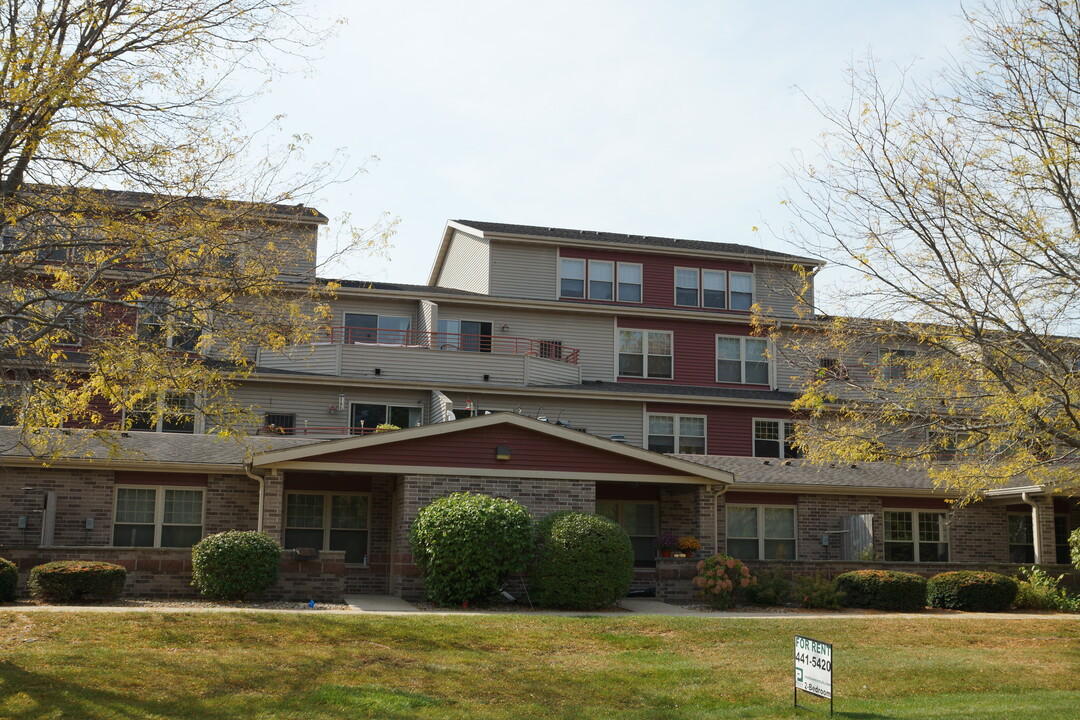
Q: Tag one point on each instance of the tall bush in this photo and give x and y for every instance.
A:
(465, 544)
(971, 590)
(583, 561)
(231, 564)
(9, 579)
(883, 590)
(76, 580)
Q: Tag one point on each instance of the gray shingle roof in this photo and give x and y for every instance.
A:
(610, 237)
(762, 471)
(401, 287)
(170, 449)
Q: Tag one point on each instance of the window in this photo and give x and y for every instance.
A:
(280, 423)
(366, 416)
(162, 323)
(677, 434)
(167, 414)
(761, 532)
(1061, 540)
(467, 335)
(830, 368)
(601, 280)
(686, 287)
(742, 291)
(714, 289)
(773, 438)
(893, 363)
(1021, 539)
(571, 278)
(327, 521)
(629, 282)
(742, 360)
(916, 536)
(645, 353)
(385, 329)
(157, 517)
(551, 349)
(640, 521)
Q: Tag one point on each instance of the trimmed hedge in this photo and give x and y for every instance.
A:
(231, 564)
(582, 562)
(465, 544)
(76, 580)
(882, 590)
(9, 579)
(971, 590)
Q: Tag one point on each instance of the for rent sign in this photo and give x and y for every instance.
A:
(813, 667)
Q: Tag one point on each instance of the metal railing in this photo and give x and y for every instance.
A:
(314, 431)
(420, 339)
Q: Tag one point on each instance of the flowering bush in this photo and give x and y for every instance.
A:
(667, 541)
(720, 578)
(689, 544)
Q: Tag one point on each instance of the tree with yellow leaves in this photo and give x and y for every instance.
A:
(143, 251)
(957, 203)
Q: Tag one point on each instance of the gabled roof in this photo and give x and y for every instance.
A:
(467, 447)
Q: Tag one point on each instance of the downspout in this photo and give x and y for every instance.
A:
(1036, 530)
(717, 494)
(262, 492)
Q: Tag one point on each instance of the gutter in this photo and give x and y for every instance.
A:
(1036, 529)
(262, 492)
(718, 492)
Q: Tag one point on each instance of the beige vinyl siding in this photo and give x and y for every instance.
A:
(321, 359)
(311, 405)
(438, 407)
(525, 271)
(542, 371)
(776, 290)
(593, 335)
(599, 417)
(467, 264)
(427, 317)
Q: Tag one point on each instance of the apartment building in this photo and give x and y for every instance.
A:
(568, 369)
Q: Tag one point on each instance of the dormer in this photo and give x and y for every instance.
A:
(584, 266)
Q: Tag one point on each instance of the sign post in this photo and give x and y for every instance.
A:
(813, 669)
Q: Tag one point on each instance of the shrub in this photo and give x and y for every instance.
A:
(720, 579)
(231, 564)
(76, 580)
(883, 590)
(9, 579)
(771, 588)
(583, 562)
(815, 591)
(1074, 547)
(466, 544)
(1038, 590)
(971, 590)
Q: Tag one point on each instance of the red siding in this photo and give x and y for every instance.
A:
(728, 430)
(694, 361)
(658, 272)
(759, 498)
(331, 482)
(626, 491)
(920, 503)
(138, 477)
(475, 448)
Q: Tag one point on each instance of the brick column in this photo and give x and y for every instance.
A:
(1047, 549)
(273, 515)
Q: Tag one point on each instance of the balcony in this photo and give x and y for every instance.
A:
(414, 355)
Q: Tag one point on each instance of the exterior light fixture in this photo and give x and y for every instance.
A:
(341, 401)
(502, 452)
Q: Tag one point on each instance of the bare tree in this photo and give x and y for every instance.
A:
(143, 249)
(956, 204)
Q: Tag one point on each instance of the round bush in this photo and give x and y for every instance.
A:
(9, 578)
(971, 590)
(465, 544)
(229, 565)
(882, 590)
(76, 580)
(583, 562)
(720, 579)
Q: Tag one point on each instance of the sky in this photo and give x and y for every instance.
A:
(674, 119)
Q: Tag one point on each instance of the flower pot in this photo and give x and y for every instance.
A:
(665, 553)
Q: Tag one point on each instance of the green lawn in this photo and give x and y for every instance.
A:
(245, 666)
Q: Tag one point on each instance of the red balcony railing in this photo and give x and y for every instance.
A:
(418, 339)
(313, 431)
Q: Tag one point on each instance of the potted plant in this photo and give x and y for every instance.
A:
(665, 543)
(689, 545)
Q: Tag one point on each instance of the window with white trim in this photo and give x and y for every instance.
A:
(773, 438)
(146, 516)
(645, 353)
(916, 536)
(893, 363)
(742, 290)
(1021, 538)
(161, 322)
(630, 275)
(167, 413)
(677, 434)
(328, 521)
(713, 289)
(640, 520)
(571, 278)
(686, 287)
(742, 360)
(601, 280)
(761, 532)
(384, 329)
(365, 417)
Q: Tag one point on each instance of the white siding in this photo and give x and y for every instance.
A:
(427, 317)
(467, 264)
(525, 271)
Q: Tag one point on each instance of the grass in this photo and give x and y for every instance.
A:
(236, 665)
